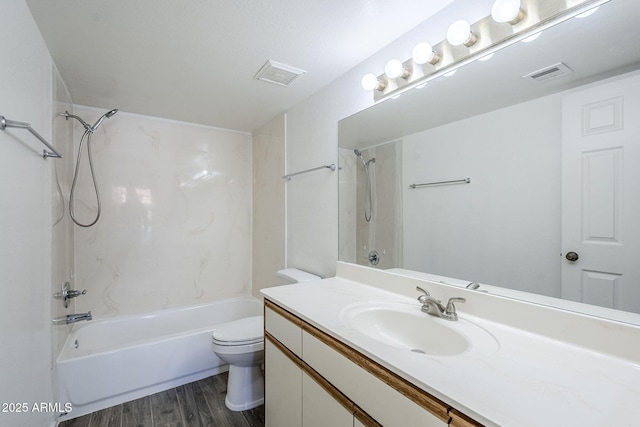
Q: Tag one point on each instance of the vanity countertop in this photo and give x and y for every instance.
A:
(528, 379)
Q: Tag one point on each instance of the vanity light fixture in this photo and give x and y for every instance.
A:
(394, 69)
(370, 82)
(459, 33)
(447, 58)
(507, 11)
(423, 53)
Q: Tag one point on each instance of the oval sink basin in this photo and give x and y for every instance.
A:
(405, 326)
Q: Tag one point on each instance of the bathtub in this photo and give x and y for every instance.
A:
(111, 361)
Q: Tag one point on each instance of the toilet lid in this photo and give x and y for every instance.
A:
(242, 331)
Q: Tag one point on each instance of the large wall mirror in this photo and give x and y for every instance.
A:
(533, 183)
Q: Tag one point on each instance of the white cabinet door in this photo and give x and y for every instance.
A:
(320, 409)
(283, 389)
(601, 194)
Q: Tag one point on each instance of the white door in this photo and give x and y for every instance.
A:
(601, 194)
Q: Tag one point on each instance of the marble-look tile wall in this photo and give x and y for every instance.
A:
(175, 227)
(383, 233)
(268, 203)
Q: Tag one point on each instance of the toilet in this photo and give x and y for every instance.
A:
(241, 345)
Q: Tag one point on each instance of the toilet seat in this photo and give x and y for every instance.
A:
(249, 330)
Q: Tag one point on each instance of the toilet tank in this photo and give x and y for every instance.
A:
(293, 275)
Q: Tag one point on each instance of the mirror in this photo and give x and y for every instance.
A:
(505, 133)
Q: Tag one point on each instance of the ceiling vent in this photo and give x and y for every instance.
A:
(548, 73)
(277, 73)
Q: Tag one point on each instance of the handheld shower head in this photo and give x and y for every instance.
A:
(104, 116)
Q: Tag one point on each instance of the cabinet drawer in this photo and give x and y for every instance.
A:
(380, 400)
(284, 327)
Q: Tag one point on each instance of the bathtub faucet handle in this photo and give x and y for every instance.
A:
(74, 293)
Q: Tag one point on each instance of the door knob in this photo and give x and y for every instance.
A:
(572, 256)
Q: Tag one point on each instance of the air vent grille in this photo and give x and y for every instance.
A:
(277, 73)
(548, 73)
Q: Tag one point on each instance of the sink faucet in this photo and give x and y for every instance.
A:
(434, 307)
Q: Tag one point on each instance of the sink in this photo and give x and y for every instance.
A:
(405, 326)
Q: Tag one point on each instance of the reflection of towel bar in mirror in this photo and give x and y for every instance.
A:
(332, 166)
(5, 123)
(456, 181)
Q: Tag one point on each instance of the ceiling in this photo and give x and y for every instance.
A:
(195, 60)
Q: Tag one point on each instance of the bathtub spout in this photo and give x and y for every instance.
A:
(72, 318)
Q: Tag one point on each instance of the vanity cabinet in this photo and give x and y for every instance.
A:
(329, 383)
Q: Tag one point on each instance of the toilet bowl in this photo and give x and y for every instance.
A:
(240, 344)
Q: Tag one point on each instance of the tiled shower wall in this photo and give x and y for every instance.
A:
(175, 227)
(383, 233)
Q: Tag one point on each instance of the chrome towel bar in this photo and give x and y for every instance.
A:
(4, 123)
(332, 166)
(456, 181)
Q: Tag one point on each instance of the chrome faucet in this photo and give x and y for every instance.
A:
(434, 307)
(66, 294)
(72, 318)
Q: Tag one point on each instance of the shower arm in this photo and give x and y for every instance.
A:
(66, 115)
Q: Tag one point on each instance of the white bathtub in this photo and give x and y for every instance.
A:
(111, 361)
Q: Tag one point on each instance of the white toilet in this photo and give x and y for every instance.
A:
(241, 345)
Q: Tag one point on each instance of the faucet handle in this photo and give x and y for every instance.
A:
(421, 298)
(451, 309)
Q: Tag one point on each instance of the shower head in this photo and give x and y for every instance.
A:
(364, 163)
(104, 116)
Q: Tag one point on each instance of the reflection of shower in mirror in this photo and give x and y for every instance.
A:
(369, 201)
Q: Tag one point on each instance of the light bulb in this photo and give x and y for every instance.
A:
(507, 11)
(423, 53)
(370, 82)
(459, 33)
(394, 69)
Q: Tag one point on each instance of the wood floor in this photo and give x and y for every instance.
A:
(200, 403)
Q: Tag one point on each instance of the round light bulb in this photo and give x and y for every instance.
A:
(423, 53)
(507, 11)
(394, 69)
(459, 33)
(369, 82)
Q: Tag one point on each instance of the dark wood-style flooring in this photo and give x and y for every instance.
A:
(200, 403)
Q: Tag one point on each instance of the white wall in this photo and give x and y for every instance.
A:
(312, 140)
(504, 228)
(175, 228)
(25, 222)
